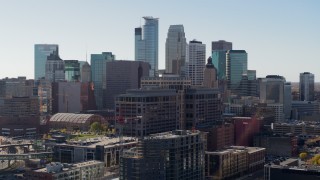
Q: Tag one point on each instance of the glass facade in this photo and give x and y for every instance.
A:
(236, 66)
(72, 70)
(41, 52)
(98, 76)
(146, 44)
(219, 62)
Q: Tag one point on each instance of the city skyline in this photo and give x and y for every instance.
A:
(280, 35)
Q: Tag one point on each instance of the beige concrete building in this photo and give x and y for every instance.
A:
(234, 161)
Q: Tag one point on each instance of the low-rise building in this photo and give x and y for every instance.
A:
(234, 161)
(72, 121)
(277, 145)
(103, 149)
(291, 169)
(58, 171)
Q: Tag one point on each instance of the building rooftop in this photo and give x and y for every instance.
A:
(57, 167)
(100, 141)
(72, 118)
(172, 134)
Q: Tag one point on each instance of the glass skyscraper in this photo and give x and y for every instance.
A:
(219, 50)
(98, 76)
(41, 53)
(175, 49)
(72, 70)
(236, 66)
(146, 44)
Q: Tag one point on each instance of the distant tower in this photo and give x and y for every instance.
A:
(196, 62)
(98, 76)
(86, 72)
(236, 66)
(219, 50)
(41, 53)
(175, 49)
(221, 45)
(54, 70)
(72, 70)
(306, 86)
(210, 75)
(146, 43)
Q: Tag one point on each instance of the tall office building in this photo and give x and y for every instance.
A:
(86, 73)
(168, 155)
(272, 89)
(66, 97)
(210, 75)
(196, 62)
(175, 50)
(219, 50)
(272, 92)
(202, 107)
(72, 70)
(221, 45)
(55, 68)
(41, 52)
(306, 86)
(147, 111)
(123, 75)
(236, 66)
(146, 43)
(99, 75)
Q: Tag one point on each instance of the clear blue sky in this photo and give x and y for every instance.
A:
(281, 37)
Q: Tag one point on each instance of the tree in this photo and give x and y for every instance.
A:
(303, 155)
(95, 127)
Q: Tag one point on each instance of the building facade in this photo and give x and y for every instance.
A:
(168, 155)
(219, 50)
(66, 97)
(58, 171)
(221, 45)
(196, 62)
(176, 50)
(146, 43)
(72, 70)
(233, 162)
(306, 86)
(41, 52)
(85, 73)
(147, 111)
(236, 66)
(202, 107)
(55, 68)
(210, 75)
(99, 75)
(121, 76)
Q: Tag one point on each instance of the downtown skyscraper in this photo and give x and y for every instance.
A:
(219, 50)
(306, 86)
(99, 75)
(146, 43)
(196, 62)
(41, 53)
(236, 66)
(176, 50)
